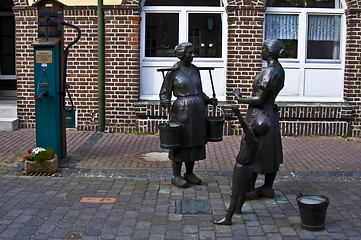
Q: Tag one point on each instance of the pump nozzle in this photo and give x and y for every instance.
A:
(44, 93)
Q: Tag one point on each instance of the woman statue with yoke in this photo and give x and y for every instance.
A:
(190, 110)
(266, 87)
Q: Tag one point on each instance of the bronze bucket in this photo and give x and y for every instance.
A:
(215, 128)
(169, 134)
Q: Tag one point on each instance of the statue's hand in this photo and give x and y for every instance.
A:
(237, 93)
(167, 103)
(235, 109)
(214, 101)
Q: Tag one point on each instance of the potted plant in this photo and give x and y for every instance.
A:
(41, 160)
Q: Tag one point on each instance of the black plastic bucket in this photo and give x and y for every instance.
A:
(313, 210)
(169, 134)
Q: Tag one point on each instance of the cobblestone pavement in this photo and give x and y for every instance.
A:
(133, 172)
(50, 208)
(107, 151)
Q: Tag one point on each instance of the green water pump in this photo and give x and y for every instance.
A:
(50, 63)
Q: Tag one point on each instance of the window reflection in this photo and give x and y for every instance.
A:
(7, 46)
(205, 33)
(323, 37)
(161, 34)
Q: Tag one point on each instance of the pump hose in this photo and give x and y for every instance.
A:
(66, 52)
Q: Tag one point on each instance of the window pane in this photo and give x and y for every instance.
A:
(304, 3)
(211, 3)
(323, 39)
(285, 28)
(205, 33)
(161, 34)
(7, 46)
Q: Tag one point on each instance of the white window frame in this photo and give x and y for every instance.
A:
(161, 62)
(301, 62)
(183, 28)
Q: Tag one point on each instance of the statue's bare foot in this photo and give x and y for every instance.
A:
(224, 221)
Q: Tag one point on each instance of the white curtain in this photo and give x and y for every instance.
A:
(281, 26)
(324, 28)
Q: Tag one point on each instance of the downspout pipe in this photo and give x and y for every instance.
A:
(101, 66)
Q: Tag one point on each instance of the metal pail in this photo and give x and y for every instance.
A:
(169, 134)
(215, 128)
(313, 210)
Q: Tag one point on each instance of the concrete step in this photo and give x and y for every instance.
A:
(8, 111)
(9, 124)
(8, 107)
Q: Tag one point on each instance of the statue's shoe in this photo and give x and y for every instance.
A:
(192, 178)
(178, 181)
(265, 192)
(252, 195)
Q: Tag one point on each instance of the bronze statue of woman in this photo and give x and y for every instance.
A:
(266, 87)
(190, 110)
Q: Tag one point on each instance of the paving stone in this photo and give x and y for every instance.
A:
(9, 233)
(255, 231)
(173, 234)
(287, 231)
(39, 237)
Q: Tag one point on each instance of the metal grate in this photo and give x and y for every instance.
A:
(192, 207)
(39, 174)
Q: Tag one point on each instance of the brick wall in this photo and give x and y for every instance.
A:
(82, 69)
(26, 33)
(353, 64)
(122, 67)
(245, 36)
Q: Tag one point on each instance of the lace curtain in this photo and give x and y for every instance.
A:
(281, 26)
(320, 27)
(324, 28)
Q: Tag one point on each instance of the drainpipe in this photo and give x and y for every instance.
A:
(101, 75)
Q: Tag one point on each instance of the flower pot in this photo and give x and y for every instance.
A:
(48, 166)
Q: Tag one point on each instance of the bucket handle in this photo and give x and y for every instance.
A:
(168, 115)
(220, 109)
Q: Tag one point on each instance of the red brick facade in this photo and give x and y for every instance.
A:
(26, 33)
(82, 74)
(124, 111)
(353, 64)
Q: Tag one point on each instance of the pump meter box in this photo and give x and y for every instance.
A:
(70, 119)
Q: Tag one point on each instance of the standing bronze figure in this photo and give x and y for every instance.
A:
(266, 87)
(190, 110)
(242, 172)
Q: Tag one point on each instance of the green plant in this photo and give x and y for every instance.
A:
(140, 133)
(39, 154)
(235, 128)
